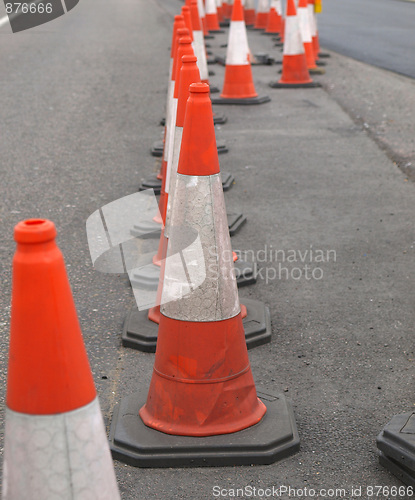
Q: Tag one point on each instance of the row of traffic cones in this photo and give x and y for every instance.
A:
(202, 384)
(202, 407)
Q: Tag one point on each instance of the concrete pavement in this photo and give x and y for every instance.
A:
(81, 100)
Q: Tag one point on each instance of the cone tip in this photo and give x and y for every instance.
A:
(199, 88)
(34, 231)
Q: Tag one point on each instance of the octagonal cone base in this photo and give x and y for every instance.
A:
(245, 101)
(398, 470)
(158, 146)
(310, 85)
(275, 437)
(152, 229)
(397, 444)
(141, 333)
(152, 182)
(218, 119)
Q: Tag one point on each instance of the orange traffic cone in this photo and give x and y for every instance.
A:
(262, 13)
(139, 330)
(238, 87)
(249, 12)
(294, 64)
(274, 19)
(202, 390)
(312, 5)
(304, 20)
(219, 10)
(55, 441)
(211, 16)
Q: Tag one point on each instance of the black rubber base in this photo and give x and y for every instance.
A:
(397, 443)
(317, 71)
(147, 278)
(400, 471)
(278, 85)
(221, 60)
(151, 183)
(263, 60)
(158, 146)
(140, 333)
(278, 44)
(225, 24)
(208, 37)
(218, 119)
(235, 222)
(247, 101)
(152, 229)
(275, 437)
(323, 55)
(214, 90)
(321, 63)
(214, 32)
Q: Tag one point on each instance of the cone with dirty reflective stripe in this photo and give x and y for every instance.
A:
(55, 441)
(238, 87)
(262, 13)
(202, 390)
(304, 20)
(294, 64)
(140, 330)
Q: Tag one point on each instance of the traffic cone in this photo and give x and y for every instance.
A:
(262, 14)
(211, 16)
(304, 20)
(313, 7)
(55, 441)
(249, 12)
(294, 64)
(396, 443)
(238, 87)
(202, 390)
(274, 19)
(140, 329)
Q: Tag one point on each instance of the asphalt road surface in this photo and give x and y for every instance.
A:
(80, 103)
(378, 32)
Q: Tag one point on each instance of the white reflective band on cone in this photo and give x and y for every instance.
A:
(201, 286)
(303, 21)
(263, 6)
(293, 43)
(170, 142)
(200, 53)
(178, 134)
(63, 457)
(201, 9)
(211, 7)
(238, 49)
(312, 19)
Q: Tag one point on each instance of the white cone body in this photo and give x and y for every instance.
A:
(211, 7)
(200, 52)
(263, 6)
(206, 290)
(312, 20)
(303, 20)
(177, 144)
(237, 53)
(277, 6)
(58, 457)
(218, 4)
(201, 9)
(170, 141)
(293, 42)
(249, 4)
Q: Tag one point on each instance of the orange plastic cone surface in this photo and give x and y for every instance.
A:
(305, 29)
(211, 16)
(261, 19)
(48, 366)
(202, 383)
(274, 21)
